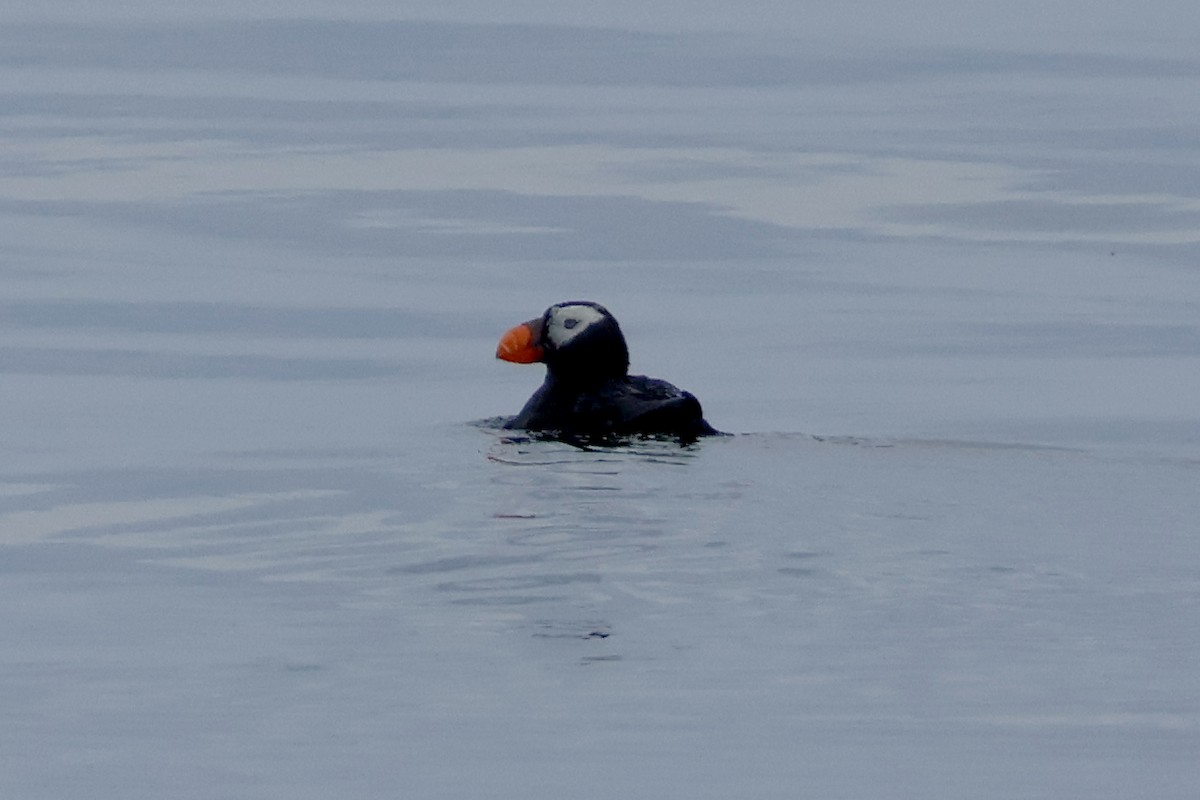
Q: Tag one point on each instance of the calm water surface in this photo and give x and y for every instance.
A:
(941, 281)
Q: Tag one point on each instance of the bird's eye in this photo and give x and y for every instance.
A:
(571, 323)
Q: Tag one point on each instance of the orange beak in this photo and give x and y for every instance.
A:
(518, 343)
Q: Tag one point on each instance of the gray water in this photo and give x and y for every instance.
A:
(935, 268)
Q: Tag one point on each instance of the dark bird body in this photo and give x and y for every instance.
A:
(588, 390)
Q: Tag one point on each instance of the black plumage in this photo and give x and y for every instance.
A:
(588, 390)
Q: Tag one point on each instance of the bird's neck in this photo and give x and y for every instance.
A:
(589, 367)
(584, 377)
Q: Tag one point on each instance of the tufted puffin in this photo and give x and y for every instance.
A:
(588, 390)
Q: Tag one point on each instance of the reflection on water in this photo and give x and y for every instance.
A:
(517, 448)
(251, 277)
(394, 153)
(788, 579)
(494, 520)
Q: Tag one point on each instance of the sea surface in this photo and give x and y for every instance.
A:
(936, 267)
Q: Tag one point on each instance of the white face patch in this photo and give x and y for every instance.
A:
(567, 322)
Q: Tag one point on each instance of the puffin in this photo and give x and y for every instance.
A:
(588, 391)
